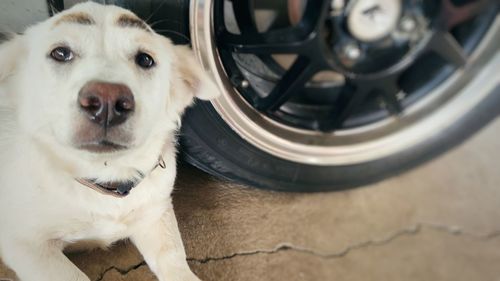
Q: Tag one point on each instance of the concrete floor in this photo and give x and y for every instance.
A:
(440, 221)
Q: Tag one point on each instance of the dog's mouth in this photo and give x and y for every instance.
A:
(103, 146)
(117, 189)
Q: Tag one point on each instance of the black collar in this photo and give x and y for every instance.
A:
(119, 189)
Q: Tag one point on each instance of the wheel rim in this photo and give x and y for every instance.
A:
(417, 117)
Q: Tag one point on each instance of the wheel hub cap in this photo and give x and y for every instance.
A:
(371, 20)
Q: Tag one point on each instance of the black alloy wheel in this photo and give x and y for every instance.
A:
(327, 95)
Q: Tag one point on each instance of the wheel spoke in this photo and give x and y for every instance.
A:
(389, 91)
(284, 41)
(291, 83)
(447, 47)
(244, 16)
(454, 15)
(348, 103)
(315, 14)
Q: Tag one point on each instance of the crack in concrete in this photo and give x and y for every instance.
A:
(459, 231)
(121, 271)
(413, 230)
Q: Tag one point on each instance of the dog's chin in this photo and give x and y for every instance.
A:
(103, 147)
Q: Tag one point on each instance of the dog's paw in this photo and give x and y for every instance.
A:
(185, 276)
(179, 275)
(188, 276)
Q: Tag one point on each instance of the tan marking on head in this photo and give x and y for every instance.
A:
(126, 20)
(78, 18)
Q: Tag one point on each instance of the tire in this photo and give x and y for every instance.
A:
(210, 143)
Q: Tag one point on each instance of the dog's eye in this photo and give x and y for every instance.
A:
(144, 60)
(62, 54)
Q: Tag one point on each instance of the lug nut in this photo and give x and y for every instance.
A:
(408, 24)
(244, 84)
(240, 81)
(337, 5)
(352, 52)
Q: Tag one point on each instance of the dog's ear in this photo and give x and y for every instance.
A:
(10, 52)
(190, 76)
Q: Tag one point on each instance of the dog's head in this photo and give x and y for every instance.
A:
(98, 80)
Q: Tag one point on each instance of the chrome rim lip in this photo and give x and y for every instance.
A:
(307, 148)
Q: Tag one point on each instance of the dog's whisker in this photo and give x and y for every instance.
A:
(174, 32)
(164, 20)
(155, 11)
(53, 9)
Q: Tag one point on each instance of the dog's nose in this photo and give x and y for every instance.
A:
(107, 104)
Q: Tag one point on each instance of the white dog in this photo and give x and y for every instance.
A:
(90, 101)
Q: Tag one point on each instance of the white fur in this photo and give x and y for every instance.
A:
(42, 208)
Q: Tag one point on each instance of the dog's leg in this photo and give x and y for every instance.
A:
(162, 248)
(40, 262)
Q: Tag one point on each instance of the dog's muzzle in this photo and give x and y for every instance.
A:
(104, 107)
(106, 104)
